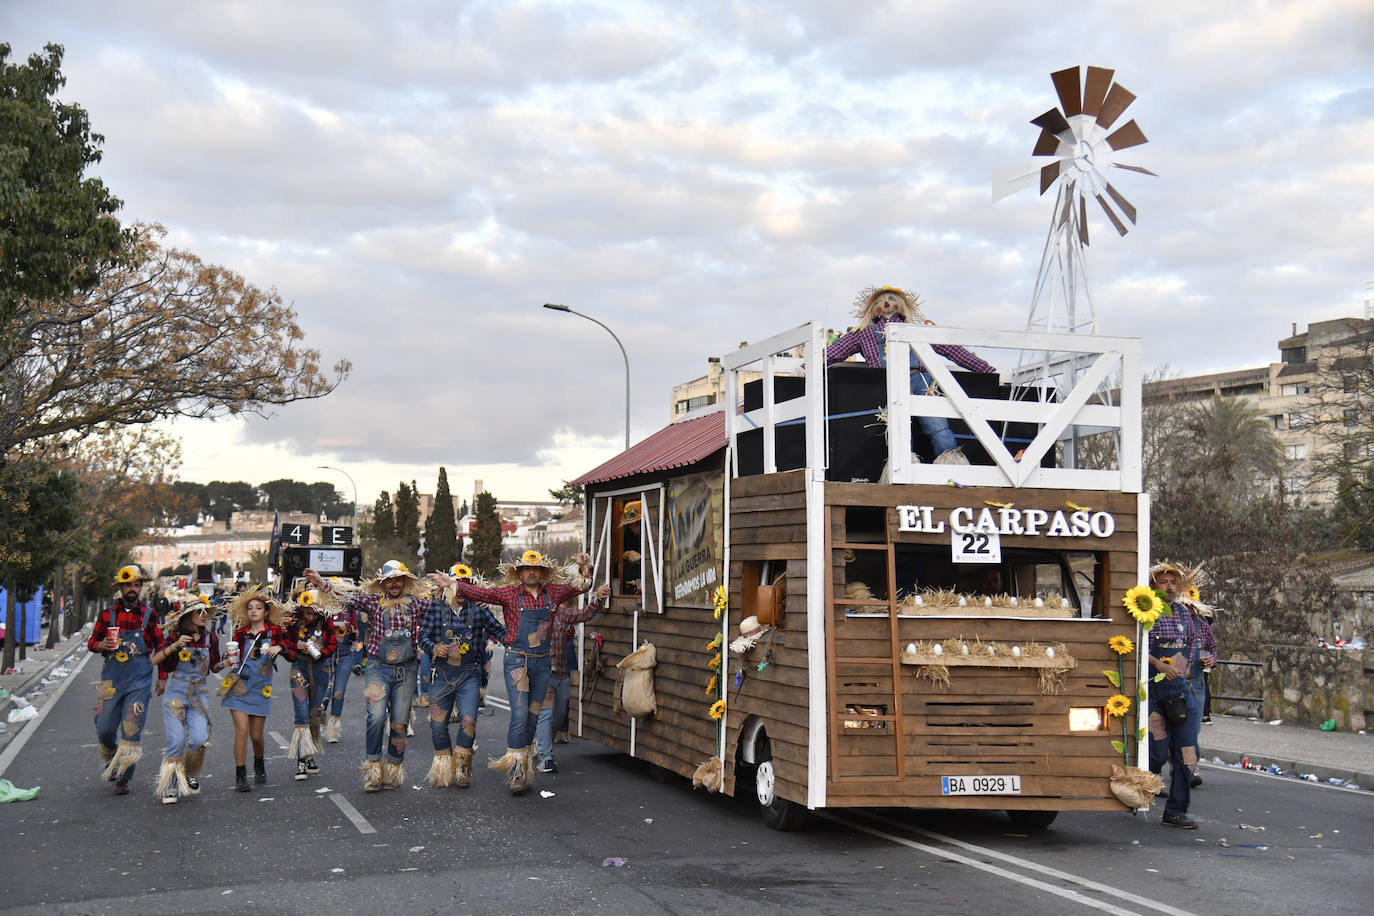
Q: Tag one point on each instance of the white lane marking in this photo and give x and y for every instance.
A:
(22, 738)
(353, 814)
(1036, 867)
(998, 871)
(281, 742)
(498, 703)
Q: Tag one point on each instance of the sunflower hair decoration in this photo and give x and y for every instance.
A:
(307, 599)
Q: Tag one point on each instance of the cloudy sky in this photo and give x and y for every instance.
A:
(418, 176)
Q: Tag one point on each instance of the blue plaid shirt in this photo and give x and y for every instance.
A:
(441, 620)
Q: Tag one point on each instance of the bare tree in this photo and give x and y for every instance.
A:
(1342, 393)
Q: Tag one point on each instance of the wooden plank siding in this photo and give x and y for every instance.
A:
(681, 734)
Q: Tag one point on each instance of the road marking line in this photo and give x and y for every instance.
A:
(22, 737)
(352, 813)
(998, 871)
(498, 703)
(281, 742)
(1037, 867)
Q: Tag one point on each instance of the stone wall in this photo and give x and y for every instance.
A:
(1305, 685)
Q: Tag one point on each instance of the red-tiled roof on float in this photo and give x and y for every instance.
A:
(677, 445)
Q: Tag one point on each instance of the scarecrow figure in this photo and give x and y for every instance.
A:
(186, 656)
(879, 306)
(314, 638)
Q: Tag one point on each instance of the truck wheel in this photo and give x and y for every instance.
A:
(778, 813)
(1032, 820)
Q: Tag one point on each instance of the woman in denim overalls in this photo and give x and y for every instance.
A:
(187, 655)
(456, 640)
(126, 678)
(315, 644)
(257, 641)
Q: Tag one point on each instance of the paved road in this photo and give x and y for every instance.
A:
(291, 847)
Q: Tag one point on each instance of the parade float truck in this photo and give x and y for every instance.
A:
(905, 633)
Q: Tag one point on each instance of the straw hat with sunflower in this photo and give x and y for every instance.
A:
(533, 559)
(184, 603)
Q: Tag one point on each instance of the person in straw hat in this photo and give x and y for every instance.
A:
(388, 611)
(185, 657)
(259, 639)
(1176, 701)
(126, 633)
(346, 658)
(455, 633)
(535, 641)
(315, 643)
(879, 306)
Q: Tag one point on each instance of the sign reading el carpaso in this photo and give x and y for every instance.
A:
(1080, 523)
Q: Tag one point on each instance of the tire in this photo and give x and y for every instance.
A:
(659, 773)
(778, 813)
(1032, 820)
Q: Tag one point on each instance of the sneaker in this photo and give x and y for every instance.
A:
(194, 784)
(170, 798)
(1196, 781)
(1181, 821)
(548, 766)
(301, 771)
(1206, 720)
(311, 766)
(121, 787)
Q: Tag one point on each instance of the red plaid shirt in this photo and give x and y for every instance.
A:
(564, 619)
(406, 615)
(514, 598)
(170, 662)
(299, 631)
(126, 619)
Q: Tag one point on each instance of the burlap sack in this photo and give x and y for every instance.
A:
(1135, 787)
(637, 673)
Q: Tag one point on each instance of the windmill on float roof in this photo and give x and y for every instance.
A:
(1079, 136)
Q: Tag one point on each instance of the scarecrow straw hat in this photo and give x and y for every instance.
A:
(393, 569)
(238, 607)
(632, 513)
(128, 574)
(908, 307)
(186, 603)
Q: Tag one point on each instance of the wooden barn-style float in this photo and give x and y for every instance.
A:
(861, 693)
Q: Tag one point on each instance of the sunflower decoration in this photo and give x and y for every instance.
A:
(184, 655)
(306, 599)
(1193, 594)
(464, 648)
(717, 709)
(121, 656)
(531, 558)
(714, 663)
(1144, 604)
(712, 685)
(719, 599)
(227, 682)
(461, 571)
(267, 691)
(1121, 645)
(716, 643)
(1118, 706)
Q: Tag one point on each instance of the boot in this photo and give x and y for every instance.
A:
(462, 767)
(241, 779)
(259, 770)
(511, 764)
(333, 729)
(441, 770)
(372, 775)
(194, 760)
(393, 774)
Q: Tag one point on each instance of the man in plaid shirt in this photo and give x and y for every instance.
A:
(536, 635)
(388, 610)
(1176, 649)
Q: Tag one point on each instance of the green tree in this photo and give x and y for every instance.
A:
(57, 227)
(443, 547)
(484, 550)
(408, 516)
(222, 498)
(40, 519)
(567, 494)
(383, 518)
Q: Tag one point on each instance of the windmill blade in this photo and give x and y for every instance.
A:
(1064, 214)
(1134, 168)
(1047, 144)
(1118, 99)
(1010, 179)
(1125, 205)
(1127, 136)
(1053, 121)
(1116, 221)
(1099, 80)
(1070, 93)
(1048, 174)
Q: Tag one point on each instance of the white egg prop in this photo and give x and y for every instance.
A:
(937, 649)
(1015, 651)
(911, 648)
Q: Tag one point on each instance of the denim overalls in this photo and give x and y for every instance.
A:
(456, 682)
(345, 657)
(255, 668)
(185, 720)
(310, 678)
(126, 683)
(527, 668)
(1176, 743)
(389, 687)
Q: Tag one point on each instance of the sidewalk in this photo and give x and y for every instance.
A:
(27, 681)
(1295, 749)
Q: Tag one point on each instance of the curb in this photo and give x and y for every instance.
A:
(64, 649)
(1362, 778)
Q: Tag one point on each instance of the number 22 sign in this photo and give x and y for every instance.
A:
(976, 547)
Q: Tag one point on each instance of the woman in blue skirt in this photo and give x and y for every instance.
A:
(258, 639)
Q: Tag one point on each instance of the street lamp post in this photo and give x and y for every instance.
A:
(330, 467)
(564, 308)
